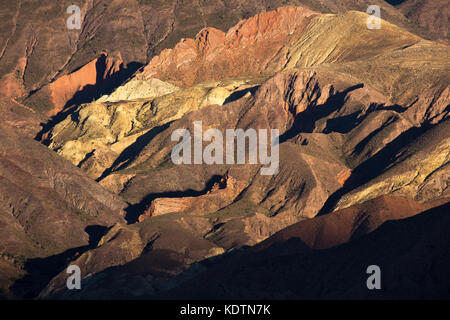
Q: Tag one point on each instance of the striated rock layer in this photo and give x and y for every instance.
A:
(363, 121)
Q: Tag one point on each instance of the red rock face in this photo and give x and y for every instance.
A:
(88, 79)
(244, 50)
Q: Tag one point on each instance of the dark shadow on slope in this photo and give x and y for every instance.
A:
(131, 152)
(396, 107)
(362, 144)
(103, 86)
(290, 269)
(239, 94)
(86, 158)
(414, 266)
(42, 135)
(134, 211)
(306, 120)
(95, 232)
(395, 2)
(347, 123)
(373, 166)
(89, 93)
(41, 270)
(343, 124)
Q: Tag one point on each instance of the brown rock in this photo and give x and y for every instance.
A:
(220, 195)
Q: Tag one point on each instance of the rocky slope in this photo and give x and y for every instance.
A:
(297, 53)
(292, 261)
(433, 15)
(363, 122)
(412, 255)
(37, 48)
(383, 110)
(363, 119)
(48, 207)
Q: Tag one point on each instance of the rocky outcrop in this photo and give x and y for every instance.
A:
(273, 41)
(95, 135)
(293, 270)
(220, 195)
(418, 166)
(139, 89)
(90, 77)
(79, 86)
(245, 50)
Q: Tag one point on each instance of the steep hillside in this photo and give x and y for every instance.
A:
(48, 208)
(412, 255)
(363, 122)
(431, 14)
(37, 48)
(324, 103)
(322, 258)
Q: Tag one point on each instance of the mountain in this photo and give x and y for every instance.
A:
(433, 15)
(37, 49)
(322, 258)
(412, 255)
(360, 118)
(86, 149)
(49, 211)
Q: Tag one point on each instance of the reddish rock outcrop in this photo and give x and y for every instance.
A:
(85, 81)
(245, 50)
(220, 195)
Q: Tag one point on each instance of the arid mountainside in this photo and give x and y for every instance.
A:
(324, 100)
(294, 260)
(362, 116)
(37, 48)
(363, 122)
(413, 254)
(431, 14)
(47, 207)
